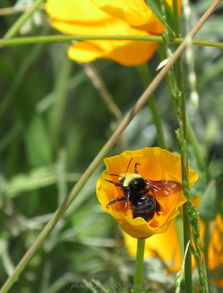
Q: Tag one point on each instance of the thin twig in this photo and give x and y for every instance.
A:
(99, 84)
(68, 38)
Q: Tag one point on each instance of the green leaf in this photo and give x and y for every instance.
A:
(37, 143)
(170, 16)
(208, 207)
(37, 178)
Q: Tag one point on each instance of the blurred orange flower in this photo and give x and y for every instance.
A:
(166, 246)
(102, 17)
(152, 164)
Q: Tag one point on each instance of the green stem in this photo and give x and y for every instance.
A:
(139, 266)
(21, 75)
(176, 82)
(146, 79)
(201, 162)
(22, 19)
(157, 122)
(206, 242)
(66, 38)
(60, 94)
(184, 167)
(176, 18)
(187, 238)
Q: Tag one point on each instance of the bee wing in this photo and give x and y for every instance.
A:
(163, 187)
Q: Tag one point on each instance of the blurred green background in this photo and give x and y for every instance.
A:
(53, 123)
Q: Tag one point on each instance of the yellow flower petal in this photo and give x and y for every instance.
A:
(78, 17)
(153, 164)
(136, 13)
(121, 18)
(127, 53)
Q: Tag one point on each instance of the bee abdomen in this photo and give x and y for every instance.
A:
(144, 207)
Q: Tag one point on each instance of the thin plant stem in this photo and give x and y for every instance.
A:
(138, 285)
(176, 18)
(105, 149)
(188, 263)
(182, 138)
(22, 72)
(60, 100)
(179, 100)
(198, 151)
(146, 79)
(98, 83)
(68, 38)
(104, 94)
(206, 240)
(22, 19)
(157, 122)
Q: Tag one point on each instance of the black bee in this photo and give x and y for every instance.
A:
(140, 193)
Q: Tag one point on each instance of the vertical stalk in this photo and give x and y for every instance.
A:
(182, 138)
(146, 79)
(60, 94)
(206, 241)
(157, 122)
(187, 238)
(177, 81)
(139, 266)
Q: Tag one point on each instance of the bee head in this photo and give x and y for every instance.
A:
(129, 179)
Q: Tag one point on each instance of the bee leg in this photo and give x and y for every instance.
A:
(121, 198)
(115, 183)
(128, 166)
(127, 200)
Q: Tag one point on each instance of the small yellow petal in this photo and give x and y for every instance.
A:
(126, 53)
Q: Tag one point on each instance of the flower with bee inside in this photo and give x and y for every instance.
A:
(142, 190)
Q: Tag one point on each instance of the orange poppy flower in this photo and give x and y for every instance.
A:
(101, 17)
(152, 164)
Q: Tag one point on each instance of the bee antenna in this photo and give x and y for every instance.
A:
(136, 169)
(128, 166)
